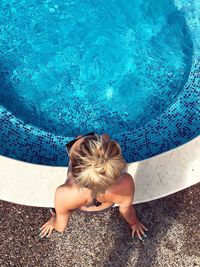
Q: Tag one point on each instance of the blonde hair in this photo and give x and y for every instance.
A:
(97, 164)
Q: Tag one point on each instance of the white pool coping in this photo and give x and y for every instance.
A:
(34, 185)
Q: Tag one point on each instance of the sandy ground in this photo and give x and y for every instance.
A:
(104, 239)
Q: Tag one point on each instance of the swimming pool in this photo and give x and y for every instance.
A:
(70, 68)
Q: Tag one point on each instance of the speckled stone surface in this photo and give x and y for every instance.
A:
(104, 239)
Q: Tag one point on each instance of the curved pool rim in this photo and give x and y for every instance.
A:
(154, 178)
(178, 124)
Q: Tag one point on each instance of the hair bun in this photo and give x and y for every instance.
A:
(101, 160)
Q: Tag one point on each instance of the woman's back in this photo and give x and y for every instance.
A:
(84, 198)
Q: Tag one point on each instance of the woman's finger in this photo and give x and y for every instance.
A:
(138, 233)
(144, 227)
(44, 230)
(133, 233)
(43, 226)
(49, 232)
(141, 230)
(44, 233)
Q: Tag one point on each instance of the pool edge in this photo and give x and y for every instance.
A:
(167, 173)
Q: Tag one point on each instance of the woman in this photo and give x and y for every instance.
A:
(95, 182)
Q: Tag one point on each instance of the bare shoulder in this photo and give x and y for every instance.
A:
(66, 196)
(124, 182)
(127, 179)
(124, 189)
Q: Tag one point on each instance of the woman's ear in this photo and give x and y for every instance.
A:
(79, 136)
(106, 137)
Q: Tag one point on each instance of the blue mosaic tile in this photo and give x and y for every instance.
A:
(178, 124)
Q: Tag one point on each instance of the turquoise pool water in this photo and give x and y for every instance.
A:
(71, 67)
(128, 68)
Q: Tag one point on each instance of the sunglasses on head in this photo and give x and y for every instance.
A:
(70, 144)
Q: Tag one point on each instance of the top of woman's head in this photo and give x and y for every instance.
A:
(97, 163)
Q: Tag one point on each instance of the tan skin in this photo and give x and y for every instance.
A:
(69, 197)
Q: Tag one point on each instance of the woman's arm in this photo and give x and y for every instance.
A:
(65, 202)
(127, 210)
(63, 209)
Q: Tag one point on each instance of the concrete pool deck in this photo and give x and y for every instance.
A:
(104, 239)
(34, 185)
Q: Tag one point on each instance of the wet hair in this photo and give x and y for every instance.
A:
(97, 164)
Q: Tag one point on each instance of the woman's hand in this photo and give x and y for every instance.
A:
(138, 228)
(47, 228)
